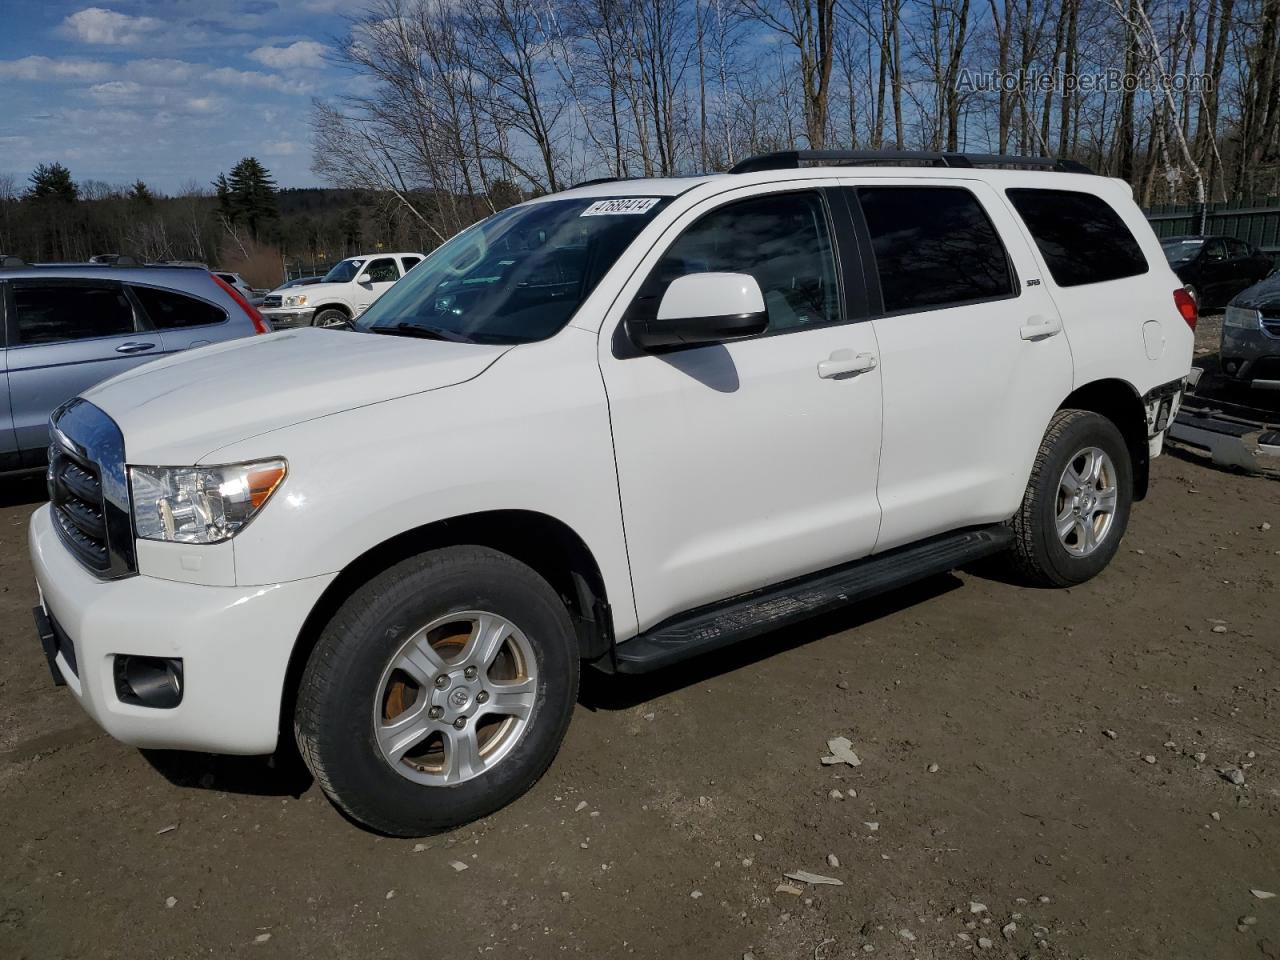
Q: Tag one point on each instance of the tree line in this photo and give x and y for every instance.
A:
(240, 221)
(471, 104)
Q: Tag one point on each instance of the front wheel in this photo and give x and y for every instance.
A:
(439, 692)
(1077, 502)
(331, 319)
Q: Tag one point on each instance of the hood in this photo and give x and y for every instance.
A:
(180, 409)
(1265, 293)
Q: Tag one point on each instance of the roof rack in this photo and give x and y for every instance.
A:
(114, 260)
(791, 159)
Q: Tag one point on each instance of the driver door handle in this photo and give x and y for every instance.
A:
(1038, 327)
(845, 363)
(134, 347)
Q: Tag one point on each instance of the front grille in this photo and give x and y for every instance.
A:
(88, 490)
(271, 301)
(75, 491)
(1271, 320)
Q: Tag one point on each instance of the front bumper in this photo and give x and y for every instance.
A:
(1250, 356)
(235, 644)
(282, 318)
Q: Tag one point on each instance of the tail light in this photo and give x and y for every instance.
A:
(1186, 306)
(259, 325)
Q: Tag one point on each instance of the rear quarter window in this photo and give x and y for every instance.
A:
(1082, 239)
(168, 309)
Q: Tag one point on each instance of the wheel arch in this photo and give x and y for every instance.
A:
(1119, 402)
(334, 305)
(546, 544)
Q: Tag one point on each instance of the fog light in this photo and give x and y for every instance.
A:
(148, 681)
(1232, 366)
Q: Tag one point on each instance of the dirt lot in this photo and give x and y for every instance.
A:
(678, 802)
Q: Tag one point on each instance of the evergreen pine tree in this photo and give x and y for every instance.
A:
(140, 192)
(52, 181)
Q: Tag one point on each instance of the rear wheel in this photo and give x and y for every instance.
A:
(439, 692)
(1076, 506)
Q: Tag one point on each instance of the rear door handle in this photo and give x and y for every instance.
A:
(134, 347)
(1040, 328)
(843, 363)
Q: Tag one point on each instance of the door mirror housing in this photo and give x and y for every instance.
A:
(703, 308)
(364, 278)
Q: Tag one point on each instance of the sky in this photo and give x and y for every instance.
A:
(167, 91)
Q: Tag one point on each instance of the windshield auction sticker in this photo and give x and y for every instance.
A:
(603, 208)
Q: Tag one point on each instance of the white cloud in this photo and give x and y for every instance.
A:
(117, 91)
(251, 79)
(109, 28)
(302, 54)
(51, 68)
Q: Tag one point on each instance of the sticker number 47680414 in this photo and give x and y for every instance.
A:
(622, 205)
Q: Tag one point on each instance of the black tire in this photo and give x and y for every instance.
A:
(1038, 554)
(333, 720)
(330, 317)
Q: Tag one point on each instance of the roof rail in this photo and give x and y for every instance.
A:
(592, 183)
(791, 159)
(12, 263)
(115, 260)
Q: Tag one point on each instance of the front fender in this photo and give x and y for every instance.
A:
(530, 434)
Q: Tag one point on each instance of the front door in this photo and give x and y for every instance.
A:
(382, 273)
(972, 353)
(65, 336)
(745, 463)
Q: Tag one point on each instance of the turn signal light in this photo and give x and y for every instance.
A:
(1187, 307)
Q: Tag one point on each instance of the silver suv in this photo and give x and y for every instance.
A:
(68, 326)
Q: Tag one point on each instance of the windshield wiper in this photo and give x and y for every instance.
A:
(422, 330)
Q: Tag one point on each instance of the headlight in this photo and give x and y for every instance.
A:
(201, 504)
(1242, 318)
(296, 300)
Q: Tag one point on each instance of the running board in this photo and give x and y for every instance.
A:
(718, 625)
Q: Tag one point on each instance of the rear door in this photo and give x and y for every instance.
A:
(183, 320)
(382, 273)
(64, 336)
(972, 357)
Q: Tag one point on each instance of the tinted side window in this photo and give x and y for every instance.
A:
(781, 239)
(1080, 237)
(410, 262)
(934, 247)
(168, 309)
(1215, 250)
(1238, 248)
(59, 312)
(382, 271)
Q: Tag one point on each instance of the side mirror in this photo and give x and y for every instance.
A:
(364, 278)
(703, 308)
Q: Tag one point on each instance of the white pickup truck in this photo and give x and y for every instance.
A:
(621, 425)
(345, 292)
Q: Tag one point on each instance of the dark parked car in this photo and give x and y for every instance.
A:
(1250, 350)
(1215, 269)
(67, 326)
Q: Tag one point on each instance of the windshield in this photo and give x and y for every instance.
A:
(1180, 251)
(516, 277)
(344, 272)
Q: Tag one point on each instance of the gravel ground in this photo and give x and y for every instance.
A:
(1042, 775)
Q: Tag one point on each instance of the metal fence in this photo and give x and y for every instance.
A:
(1259, 225)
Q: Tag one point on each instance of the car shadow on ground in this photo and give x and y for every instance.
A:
(23, 488)
(281, 775)
(604, 691)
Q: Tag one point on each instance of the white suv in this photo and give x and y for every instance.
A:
(345, 292)
(624, 424)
